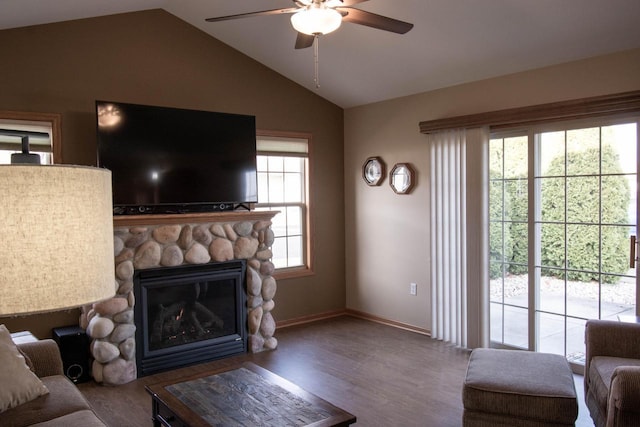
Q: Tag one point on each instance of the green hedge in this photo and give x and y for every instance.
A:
(514, 233)
(583, 207)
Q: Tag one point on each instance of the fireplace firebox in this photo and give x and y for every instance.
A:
(189, 314)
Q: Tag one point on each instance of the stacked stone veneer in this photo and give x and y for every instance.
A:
(110, 323)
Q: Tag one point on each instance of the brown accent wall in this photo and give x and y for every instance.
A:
(154, 58)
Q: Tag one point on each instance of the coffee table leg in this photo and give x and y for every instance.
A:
(154, 412)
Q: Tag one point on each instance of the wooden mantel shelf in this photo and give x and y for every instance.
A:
(229, 216)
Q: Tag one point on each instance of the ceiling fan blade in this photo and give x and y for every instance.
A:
(304, 41)
(346, 3)
(373, 20)
(249, 14)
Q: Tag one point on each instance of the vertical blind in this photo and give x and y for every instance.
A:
(459, 225)
(448, 236)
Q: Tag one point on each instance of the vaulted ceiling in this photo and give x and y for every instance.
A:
(452, 41)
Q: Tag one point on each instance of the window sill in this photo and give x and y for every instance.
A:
(293, 272)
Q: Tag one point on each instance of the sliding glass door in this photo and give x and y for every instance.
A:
(508, 239)
(563, 208)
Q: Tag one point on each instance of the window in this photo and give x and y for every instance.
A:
(508, 236)
(283, 166)
(11, 137)
(47, 147)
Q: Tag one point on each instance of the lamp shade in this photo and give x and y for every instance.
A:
(316, 20)
(56, 224)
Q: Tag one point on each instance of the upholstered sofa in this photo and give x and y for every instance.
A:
(58, 404)
(612, 373)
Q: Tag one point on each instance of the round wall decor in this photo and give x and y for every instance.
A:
(373, 171)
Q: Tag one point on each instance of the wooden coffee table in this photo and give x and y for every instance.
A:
(246, 395)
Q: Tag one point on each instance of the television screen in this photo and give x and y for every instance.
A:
(166, 160)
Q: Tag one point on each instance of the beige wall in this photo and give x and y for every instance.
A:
(154, 58)
(387, 235)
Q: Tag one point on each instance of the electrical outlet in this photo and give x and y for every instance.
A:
(413, 289)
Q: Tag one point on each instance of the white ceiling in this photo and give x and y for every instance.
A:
(452, 42)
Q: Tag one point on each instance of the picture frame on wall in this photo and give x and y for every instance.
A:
(373, 171)
(402, 178)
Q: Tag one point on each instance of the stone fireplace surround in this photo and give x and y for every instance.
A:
(151, 241)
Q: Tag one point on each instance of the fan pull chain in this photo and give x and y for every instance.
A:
(316, 76)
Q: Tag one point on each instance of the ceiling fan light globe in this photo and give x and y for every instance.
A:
(314, 21)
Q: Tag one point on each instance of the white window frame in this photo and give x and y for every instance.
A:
(294, 145)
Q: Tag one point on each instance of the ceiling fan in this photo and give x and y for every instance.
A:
(312, 18)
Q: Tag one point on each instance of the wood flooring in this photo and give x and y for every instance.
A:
(384, 375)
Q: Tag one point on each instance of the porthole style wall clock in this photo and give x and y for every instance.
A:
(373, 171)
(402, 178)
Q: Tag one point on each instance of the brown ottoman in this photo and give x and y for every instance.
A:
(518, 388)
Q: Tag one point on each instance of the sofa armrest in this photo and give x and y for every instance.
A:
(623, 407)
(625, 388)
(45, 357)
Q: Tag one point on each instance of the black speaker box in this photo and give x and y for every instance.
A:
(74, 349)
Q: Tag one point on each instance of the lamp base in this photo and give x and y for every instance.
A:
(22, 158)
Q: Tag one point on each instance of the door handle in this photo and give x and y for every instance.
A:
(632, 251)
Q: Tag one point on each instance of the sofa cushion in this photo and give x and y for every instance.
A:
(19, 383)
(520, 384)
(64, 398)
(600, 372)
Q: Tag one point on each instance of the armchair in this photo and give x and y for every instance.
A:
(612, 373)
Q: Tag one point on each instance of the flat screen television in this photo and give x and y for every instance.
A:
(171, 160)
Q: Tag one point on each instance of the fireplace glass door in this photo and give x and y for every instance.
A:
(189, 314)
